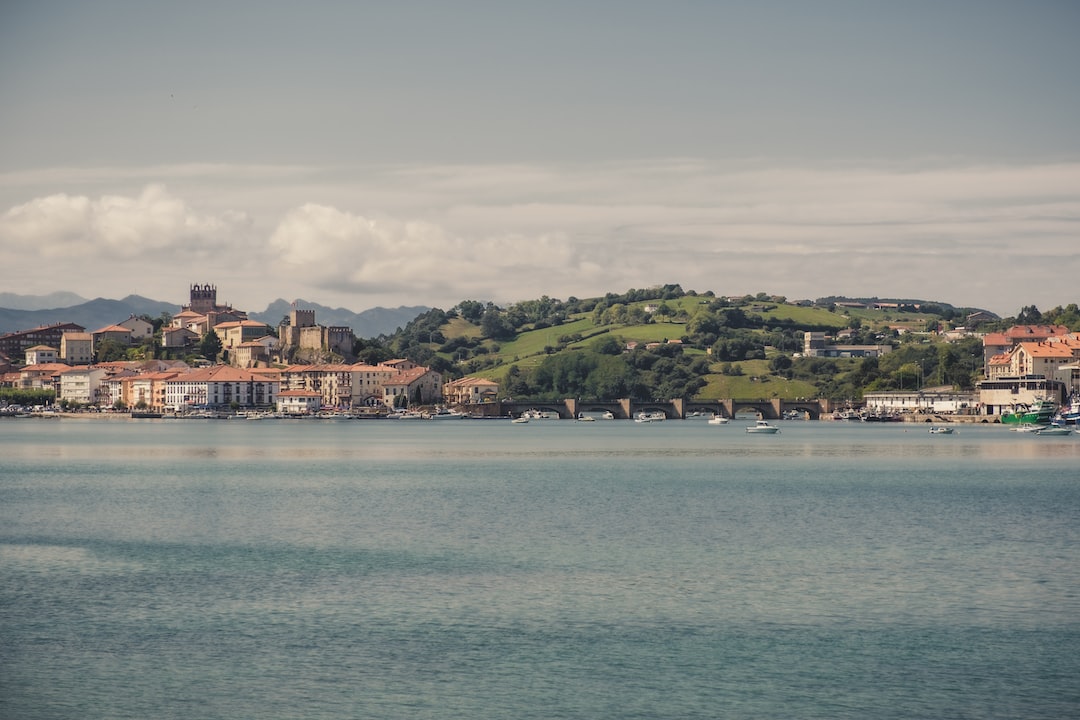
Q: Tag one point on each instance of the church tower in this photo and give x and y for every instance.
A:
(203, 299)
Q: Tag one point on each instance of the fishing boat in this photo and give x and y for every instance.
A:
(1041, 412)
(941, 430)
(1070, 415)
(763, 427)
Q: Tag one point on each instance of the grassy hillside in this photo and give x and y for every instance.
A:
(726, 332)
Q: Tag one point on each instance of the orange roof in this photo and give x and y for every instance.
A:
(1048, 350)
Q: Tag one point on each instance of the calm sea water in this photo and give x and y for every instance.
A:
(479, 569)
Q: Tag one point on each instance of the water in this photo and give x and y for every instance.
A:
(479, 569)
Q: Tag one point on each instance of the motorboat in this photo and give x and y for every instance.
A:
(582, 417)
(763, 427)
(941, 430)
(520, 420)
(719, 420)
(1053, 430)
(1027, 428)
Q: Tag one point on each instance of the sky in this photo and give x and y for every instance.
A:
(362, 154)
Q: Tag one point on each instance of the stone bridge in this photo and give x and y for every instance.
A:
(625, 409)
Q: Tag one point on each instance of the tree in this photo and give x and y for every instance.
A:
(109, 350)
(210, 346)
(1029, 315)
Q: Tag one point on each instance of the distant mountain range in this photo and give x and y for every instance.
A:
(24, 312)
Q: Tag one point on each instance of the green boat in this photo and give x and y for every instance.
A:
(1040, 413)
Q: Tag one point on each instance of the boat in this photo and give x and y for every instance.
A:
(1041, 412)
(405, 415)
(445, 414)
(719, 420)
(146, 414)
(520, 420)
(1054, 430)
(1070, 415)
(1027, 428)
(645, 417)
(608, 415)
(582, 417)
(941, 430)
(763, 427)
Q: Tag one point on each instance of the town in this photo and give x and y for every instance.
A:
(238, 366)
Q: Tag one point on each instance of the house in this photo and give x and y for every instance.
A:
(147, 390)
(367, 383)
(219, 386)
(14, 344)
(815, 344)
(41, 377)
(299, 402)
(238, 332)
(40, 354)
(470, 391)
(80, 386)
(253, 352)
(418, 385)
(77, 348)
(179, 337)
(112, 390)
(140, 329)
(116, 333)
(997, 343)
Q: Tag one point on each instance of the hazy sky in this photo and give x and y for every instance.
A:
(423, 153)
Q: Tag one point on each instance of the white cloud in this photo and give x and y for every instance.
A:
(996, 237)
(152, 226)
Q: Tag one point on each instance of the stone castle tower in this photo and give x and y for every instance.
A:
(203, 299)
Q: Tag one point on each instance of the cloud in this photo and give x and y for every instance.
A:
(992, 236)
(153, 226)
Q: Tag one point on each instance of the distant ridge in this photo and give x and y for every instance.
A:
(40, 302)
(367, 324)
(92, 315)
(101, 312)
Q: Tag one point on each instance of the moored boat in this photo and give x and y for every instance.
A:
(644, 417)
(1053, 430)
(763, 427)
(941, 430)
(719, 420)
(1040, 412)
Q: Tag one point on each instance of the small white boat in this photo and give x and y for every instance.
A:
(763, 427)
(582, 417)
(1054, 430)
(520, 420)
(608, 415)
(719, 420)
(941, 430)
(1028, 428)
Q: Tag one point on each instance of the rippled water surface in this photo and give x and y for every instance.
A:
(479, 569)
